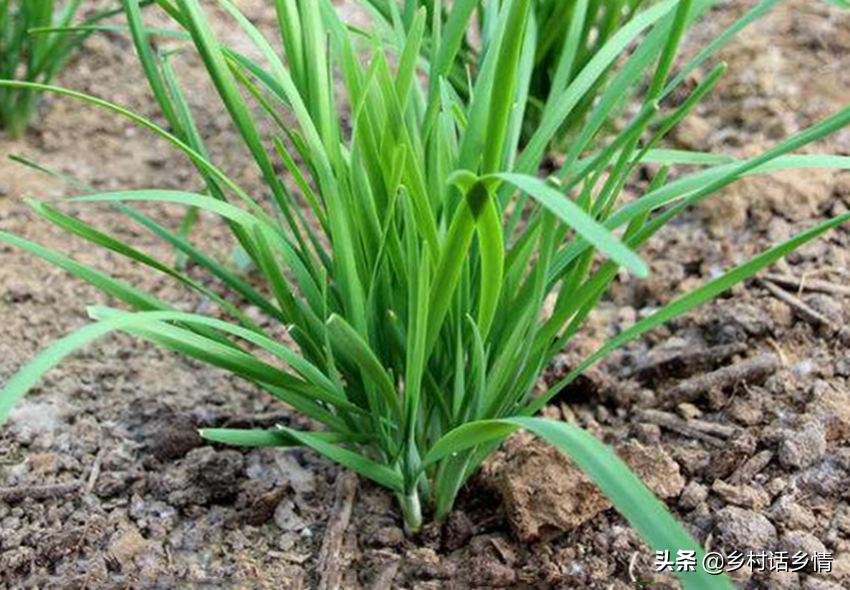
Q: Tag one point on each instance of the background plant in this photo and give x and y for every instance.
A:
(34, 47)
(409, 250)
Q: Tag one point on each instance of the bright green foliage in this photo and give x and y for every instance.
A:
(409, 249)
(566, 35)
(34, 46)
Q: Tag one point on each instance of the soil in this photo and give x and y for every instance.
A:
(738, 415)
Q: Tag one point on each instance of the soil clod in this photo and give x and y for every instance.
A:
(804, 447)
(742, 530)
(383, 580)
(546, 494)
(172, 436)
(741, 495)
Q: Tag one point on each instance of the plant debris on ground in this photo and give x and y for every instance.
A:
(757, 321)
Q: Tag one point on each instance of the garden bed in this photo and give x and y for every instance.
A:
(738, 414)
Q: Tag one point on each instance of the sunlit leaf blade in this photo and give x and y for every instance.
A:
(269, 438)
(574, 216)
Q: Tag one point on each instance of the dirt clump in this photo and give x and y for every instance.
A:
(546, 494)
(804, 447)
(741, 530)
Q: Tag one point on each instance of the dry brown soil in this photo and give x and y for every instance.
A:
(738, 415)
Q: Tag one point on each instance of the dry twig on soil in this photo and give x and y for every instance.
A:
(329, 561)
(708, 432)
(42, 492)
(805, 284)
(803, 310)
(385, 576)
(95, 471)
(751, 370)
(752, 467)
(688, 362)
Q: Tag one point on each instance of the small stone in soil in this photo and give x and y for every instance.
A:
(126, 545)
(743, 495)
(801, 541)
(804, 447)
(842, 366)
(172, 436)
(693, 495)
(832, 409)
(286, 517)
(457, 531)
(790, 514)
(688, 411)
(744, 530)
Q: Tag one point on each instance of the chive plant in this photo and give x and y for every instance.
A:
(406, 244)
(34, 46)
